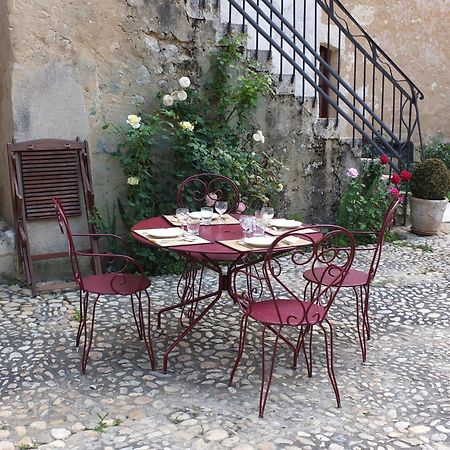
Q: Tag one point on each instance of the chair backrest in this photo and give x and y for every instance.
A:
(388, 221)
(205, 189)
(276, 279)
(64, 225)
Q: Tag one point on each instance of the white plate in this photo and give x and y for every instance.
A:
(259, 241)
(198, 215)
(163, 233)
(285, 223)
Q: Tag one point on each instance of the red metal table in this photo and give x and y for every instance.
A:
(198, 257)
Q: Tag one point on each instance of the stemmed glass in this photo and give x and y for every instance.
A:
(182, 215)
(268, 212)
(246, 223)
(221, 208)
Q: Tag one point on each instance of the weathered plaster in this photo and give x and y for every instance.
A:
(6, 121)
(416, 35)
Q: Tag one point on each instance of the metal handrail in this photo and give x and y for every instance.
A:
(376, 46)
(359, 113)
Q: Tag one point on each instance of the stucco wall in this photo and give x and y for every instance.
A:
(415, 34)
(6, 121)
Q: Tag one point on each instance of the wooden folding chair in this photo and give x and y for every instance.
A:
(40, 170)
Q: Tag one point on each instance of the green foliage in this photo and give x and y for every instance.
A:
(437, 149)
(365, 201)
(207, 128)
(430, 180)
(101, 425)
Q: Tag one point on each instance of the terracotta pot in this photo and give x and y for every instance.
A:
(426, 215)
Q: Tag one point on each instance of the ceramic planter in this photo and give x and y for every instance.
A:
(426, 215)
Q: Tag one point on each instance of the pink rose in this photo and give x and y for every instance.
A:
(352, 172)
(211, 199)
(241, 207)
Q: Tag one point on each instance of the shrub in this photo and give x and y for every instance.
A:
(430, 180)
(437, 149)
(200, 127)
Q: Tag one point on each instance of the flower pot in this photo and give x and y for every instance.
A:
(426, 215)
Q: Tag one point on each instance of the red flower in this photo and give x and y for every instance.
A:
(384, 159)
(405, 175)
(395, 192)
(396, 178)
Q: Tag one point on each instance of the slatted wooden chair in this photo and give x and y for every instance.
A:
(40, 170)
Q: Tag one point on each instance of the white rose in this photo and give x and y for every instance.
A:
(134, 121)
(133, 181)
(167, 100)
(259, 137)
(182, 95)
(184, 82)
(186, 126)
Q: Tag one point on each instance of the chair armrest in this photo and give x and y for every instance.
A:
(120, 273)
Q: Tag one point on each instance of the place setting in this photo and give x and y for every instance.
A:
(206, 215)
(261, 230)
(185, 233)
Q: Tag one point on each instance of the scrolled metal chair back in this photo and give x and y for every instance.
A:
(276, 278)
(317, 251)
(205, 189)
(388, 221)
(65, 229)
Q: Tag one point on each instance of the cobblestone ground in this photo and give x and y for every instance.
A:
(398, 399)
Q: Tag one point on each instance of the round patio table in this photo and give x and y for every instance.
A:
(212, 255)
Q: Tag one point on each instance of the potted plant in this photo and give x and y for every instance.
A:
(430, 184)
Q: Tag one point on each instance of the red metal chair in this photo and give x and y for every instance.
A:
(114, 283)
(204, 189)
(199, 190)
(360, 280)
(272, 296)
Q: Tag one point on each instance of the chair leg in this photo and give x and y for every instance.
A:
(265, 388)
(136, 321)
(304, 332)
(147, 335)
(82, 318)
(360, 321)
(329, 355)
(242, 334)
(366, 310)
(88, 336)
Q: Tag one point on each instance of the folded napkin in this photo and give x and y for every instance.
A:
(290, 242)
(279, 231)
(172, 242)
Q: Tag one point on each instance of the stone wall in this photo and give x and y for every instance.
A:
(81, 65)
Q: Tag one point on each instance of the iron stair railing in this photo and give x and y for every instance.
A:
(360, 82)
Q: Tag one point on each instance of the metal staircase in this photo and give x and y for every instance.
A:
(329, 58)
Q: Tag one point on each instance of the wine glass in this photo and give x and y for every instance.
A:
(268, 212)
(246, 223)
(182, 215)
(221, 208)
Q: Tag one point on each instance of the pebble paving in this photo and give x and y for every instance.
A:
(399, 398)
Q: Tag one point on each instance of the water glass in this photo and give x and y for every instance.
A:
(247, 224)
(193, 226)
(261, 222)
(182, 215)
(207, 213)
